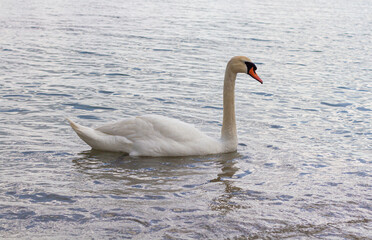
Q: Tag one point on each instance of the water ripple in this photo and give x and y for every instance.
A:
(87, 107)
(364, 109)
(43, 197)
(336, 104)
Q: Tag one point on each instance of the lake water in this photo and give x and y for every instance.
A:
(303, 168)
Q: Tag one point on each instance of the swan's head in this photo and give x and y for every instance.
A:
(241, 64)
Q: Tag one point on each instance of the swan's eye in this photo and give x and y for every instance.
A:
(250, 65)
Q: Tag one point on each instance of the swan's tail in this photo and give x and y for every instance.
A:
(87, 134)
(101, 141)
(74, 126)
(82, 132)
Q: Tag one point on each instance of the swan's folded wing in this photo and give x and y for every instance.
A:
(150, 127)
(171, 128)
(125, 128)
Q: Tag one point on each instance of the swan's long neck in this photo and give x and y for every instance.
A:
(228, 132)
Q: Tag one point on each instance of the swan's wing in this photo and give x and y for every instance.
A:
(173, 128)
(125, 128)
(151, 127)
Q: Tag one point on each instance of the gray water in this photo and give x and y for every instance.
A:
(303, 165)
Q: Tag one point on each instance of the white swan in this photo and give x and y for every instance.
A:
(153, 135)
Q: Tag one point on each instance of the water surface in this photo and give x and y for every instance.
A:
(303, 165)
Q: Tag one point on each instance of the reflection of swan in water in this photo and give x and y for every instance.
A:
(121, 174)
(124, 176)
(223, 203)
(118, 166)
(152, 135)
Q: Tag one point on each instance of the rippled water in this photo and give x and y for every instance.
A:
(303, 166)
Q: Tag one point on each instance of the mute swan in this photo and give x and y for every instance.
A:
(152, 135)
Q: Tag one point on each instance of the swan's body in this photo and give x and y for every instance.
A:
(152, 135)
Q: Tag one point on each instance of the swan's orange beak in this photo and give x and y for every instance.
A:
(253, 74)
